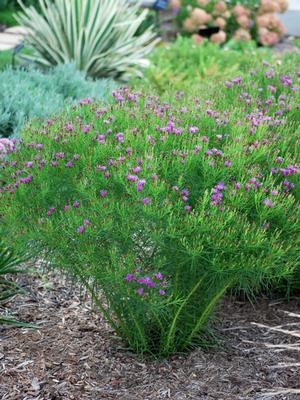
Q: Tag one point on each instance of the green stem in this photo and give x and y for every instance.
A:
(204, 314)
(173, 325)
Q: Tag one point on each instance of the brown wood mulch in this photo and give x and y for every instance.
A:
(75, 355)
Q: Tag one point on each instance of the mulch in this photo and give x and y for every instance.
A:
(75, 355)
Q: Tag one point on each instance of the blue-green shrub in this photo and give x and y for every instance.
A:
(28, 94)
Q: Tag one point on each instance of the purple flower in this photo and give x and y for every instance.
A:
(220, 186)
(69, 164)
(101, 168)
(132, 178)
(237, 185)
(162, 292)
(140, 291)
(146, 200)
(76, 204)
(50, 211)
(39, 146)
(86, 222)
(81, 229)
(274, 192)
(268, 203)
(86, 128)
(136, 170)
(59, 155)
(103, 193)
(193, 129)
(188, 209)
(140, 185)
(69, 127)
(158, 276)
(66, 208)
(120, 137)
(29, 164)
(227, 163)
(129, 278)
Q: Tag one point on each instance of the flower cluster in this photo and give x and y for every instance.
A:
(146, 285)
(6, 147)
(232, 21)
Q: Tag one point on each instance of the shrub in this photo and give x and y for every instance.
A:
(28, 94)
(199, 65)
(237, 20)
(98, 35)
(159, 207)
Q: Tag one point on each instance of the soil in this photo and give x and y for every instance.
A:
(75, 355)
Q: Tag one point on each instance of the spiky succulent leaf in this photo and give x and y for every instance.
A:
(100, 36)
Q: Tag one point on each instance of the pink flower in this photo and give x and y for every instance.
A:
(220, 22)
(219, 37)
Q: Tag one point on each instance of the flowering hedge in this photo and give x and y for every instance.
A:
(159, 207)
(237, 20)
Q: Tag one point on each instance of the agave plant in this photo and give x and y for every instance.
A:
(100, 36)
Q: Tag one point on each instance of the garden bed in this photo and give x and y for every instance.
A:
(75, 355)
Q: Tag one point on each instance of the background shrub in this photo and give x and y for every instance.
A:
(200, 64)
(28, 94)
(160, 207)
(237, 20)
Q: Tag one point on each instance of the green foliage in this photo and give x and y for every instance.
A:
(29, 94)
(14, 4)
(7, 17)
(185, 65)
(99, 36)
(8, 266)
(160, 207)
(7, 58)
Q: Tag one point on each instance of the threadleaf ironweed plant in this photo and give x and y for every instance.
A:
(160, 207)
